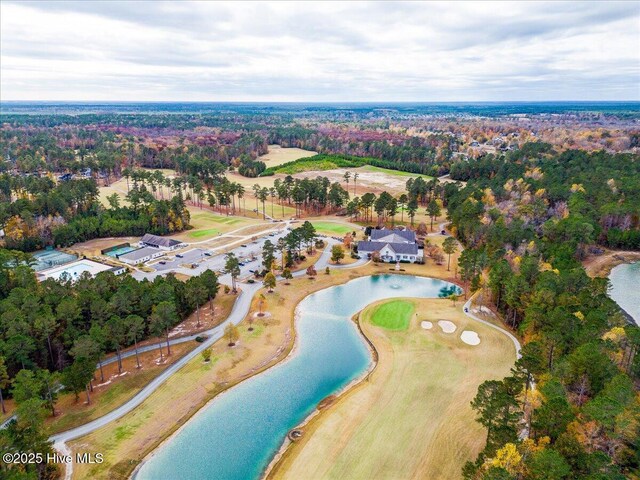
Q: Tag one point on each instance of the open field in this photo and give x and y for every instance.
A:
(393, 173)
(333, 228)
(411, 417)
(278, 155)
(207, 223)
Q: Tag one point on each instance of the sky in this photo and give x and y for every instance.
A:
(319, 52)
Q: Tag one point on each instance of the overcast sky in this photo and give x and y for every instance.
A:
(358, 51)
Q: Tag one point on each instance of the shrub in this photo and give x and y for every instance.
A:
(206, 354)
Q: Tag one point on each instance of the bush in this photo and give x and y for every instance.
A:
(227, 289)
(206, 354)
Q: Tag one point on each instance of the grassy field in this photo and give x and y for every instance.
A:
(394, 315)
(331, 228)
(411, 417)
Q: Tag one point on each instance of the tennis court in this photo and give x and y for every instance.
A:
(51, 258)
(116, 252)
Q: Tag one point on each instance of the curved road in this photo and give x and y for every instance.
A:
(239, 311)
(468, 312)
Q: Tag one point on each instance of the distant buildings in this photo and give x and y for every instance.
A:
(392, 246)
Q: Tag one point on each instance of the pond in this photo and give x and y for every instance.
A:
(238, 433)
(625, 290)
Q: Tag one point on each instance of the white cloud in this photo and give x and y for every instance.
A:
(319, 51)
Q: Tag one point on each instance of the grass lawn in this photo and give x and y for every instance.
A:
(334, 228)
(411, 417)
(394, 315)
(208, 232)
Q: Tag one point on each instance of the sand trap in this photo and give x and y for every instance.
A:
(470, 338)
(447, 326)
(426, 325)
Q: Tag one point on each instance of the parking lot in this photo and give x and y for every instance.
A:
(251, 256)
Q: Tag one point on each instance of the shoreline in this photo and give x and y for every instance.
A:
(284, 449)
(285, 355)
(601, 265)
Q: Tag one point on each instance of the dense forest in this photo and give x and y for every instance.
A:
(53, 334)
(570, 408)
(37, 212)
(594, 197)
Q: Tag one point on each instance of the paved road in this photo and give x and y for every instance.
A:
(469, 313)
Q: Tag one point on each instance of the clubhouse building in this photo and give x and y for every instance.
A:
(392, 246)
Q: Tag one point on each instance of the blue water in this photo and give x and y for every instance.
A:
(237, 434)
(625, 279)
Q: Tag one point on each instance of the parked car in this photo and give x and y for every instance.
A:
(272, 234)
(242, 264)
(162, 262)
(243, 246)
(207, 254)
(179, 256)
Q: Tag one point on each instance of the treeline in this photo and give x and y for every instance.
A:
(36, 212)
(599, 192)
(307, 194)
(53, 334)
(569, 409)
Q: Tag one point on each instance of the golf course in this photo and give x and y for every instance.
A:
(410, 418)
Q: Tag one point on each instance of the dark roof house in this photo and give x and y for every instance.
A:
(158, 241)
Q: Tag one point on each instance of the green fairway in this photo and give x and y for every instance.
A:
(332, 227)
(204, 233)
(394, 315)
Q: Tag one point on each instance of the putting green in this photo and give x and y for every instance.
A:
(394, 315)
(332, 227)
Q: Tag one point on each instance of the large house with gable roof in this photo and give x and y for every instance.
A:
(392, 245)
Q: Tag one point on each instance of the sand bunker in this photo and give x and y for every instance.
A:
(426, 325)
(470, 338)
(447, 326)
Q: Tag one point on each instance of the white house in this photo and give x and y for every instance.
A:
(392, 245)
(140, 255)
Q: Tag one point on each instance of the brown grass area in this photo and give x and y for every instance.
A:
(411, 417)
(116, 389)
(601, 265)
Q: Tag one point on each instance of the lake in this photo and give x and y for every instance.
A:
(238, 433)
(625, 288)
